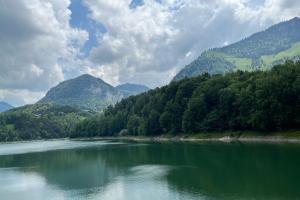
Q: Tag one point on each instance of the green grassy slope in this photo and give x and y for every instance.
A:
(262, 50)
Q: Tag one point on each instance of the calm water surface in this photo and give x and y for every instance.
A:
(110, 170)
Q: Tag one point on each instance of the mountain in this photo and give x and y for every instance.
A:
(260, 51)
(4, 106)
(86, 92)
(39, 121)
(129, 89)
(90, 93)
(239, 101)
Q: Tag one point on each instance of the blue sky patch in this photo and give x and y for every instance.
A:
(136, 3)
(80, 19)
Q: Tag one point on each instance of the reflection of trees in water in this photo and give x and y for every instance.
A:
(221, 170)
(68, 169)
(214, 169)
(241, 171)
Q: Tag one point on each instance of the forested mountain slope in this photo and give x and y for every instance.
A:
(90, 93)
(56, 115)
(260, 51)
(260, 100)
(85, 92)
(39, 121)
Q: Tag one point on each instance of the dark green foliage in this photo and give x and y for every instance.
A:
(39, 121)
(133, 124)
(260, 100)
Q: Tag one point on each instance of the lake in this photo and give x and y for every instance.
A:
(122, 170)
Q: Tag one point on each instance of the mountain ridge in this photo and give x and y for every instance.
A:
(86, 92)
(129, 89)
(89, 93)
(240, 101)
(5, 106)
(261, 50)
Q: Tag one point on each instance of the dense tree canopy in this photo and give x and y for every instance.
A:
(260, 100)
(39, 121)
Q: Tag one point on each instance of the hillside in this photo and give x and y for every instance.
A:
(260, 100)
(39, 121)
(85, 92)
(260, 51)
(4, 106)
(129, 89)
(90, 93)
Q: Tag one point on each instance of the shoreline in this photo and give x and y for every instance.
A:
(292, 136)
(225, 139)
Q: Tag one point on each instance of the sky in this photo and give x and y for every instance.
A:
(43, 42)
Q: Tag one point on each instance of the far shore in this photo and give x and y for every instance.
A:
(292, 136)
(282, 137)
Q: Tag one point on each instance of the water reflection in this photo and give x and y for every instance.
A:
(106, 170)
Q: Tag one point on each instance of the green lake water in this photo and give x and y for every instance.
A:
(120, 170)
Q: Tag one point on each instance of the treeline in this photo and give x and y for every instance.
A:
(260, 100)
(39, 121)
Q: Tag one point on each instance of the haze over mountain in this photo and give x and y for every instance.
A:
(129, 89)
(262, 50)
(88, 92)
(5, 106)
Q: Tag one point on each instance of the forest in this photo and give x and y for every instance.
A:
(237, 101)
(39, 121)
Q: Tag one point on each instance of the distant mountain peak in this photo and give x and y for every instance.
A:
(89, 77)
(295, 19)
(132, 85)
(128, 89)
(85, 91)
(5, 106)
(90, 93)
(86, 76)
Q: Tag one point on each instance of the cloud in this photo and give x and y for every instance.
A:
(135, 39)
(157, 38)
(35, 42)
(146, 42)
(17, 97)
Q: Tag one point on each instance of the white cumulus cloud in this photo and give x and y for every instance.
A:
(150, 43)
(147, 44)
(35, 36)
